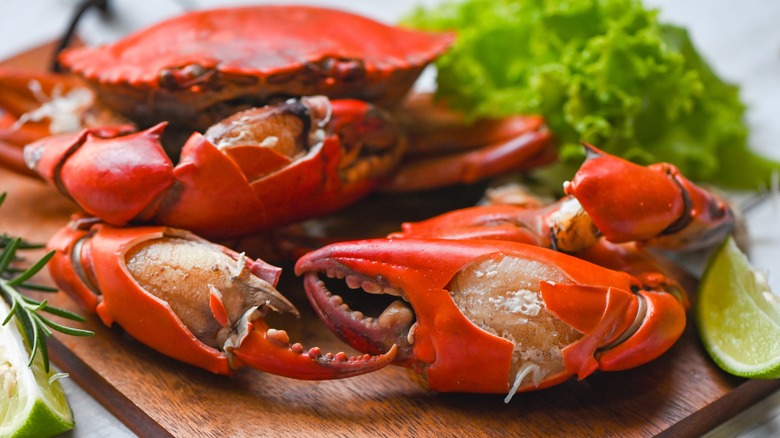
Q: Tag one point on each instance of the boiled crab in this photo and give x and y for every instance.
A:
(223, 63)
(610, 198)
(477, 304)
(205, 65)
(190, 299)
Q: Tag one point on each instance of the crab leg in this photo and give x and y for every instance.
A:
(608, 197)
(12, 158)
(492, 316)
(36, 105)
(446, 149)
(192, 300)
(654, 205)
(523, 152)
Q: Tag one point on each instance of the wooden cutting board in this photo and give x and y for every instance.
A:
(680, 394)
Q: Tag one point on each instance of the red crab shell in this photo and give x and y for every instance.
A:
(179, 68)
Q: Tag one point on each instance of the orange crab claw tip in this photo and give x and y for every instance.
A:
(269, 350)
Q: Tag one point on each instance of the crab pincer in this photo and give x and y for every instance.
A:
(490, 316)
(190, 299)
(236, 178)
(654, 205)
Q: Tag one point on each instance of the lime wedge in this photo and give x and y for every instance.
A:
(738, 316)
(32, 402)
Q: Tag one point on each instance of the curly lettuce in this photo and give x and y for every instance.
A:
(606, 72)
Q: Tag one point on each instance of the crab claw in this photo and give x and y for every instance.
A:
(490, 316)
(270, 350)
(236, 178)
(88, 166)
(655, 205)
(190, 299)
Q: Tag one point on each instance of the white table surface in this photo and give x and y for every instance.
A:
(741, 40)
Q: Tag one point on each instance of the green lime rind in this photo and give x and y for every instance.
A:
(32, 402)
(738, 316)
(43, 422)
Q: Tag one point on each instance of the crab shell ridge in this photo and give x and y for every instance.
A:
(254, 53)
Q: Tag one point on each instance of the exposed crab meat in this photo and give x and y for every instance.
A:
(186, 273)
(64, 110)
(502, 296)
(571, 228)
(35, 104)
(280, 127)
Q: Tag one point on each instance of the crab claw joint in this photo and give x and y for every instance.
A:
(190, 299)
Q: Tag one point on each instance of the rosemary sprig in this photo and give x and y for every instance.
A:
(36, 326)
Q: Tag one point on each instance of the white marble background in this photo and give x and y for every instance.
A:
(741, 39)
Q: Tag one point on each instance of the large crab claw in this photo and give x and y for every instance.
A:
(190, 299)
(655, 205)
(491, 316)
(548, 227)
(235, 179)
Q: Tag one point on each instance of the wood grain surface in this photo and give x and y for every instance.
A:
(680, 394)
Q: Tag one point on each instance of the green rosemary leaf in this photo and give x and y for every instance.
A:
(41, 325)
(33, 335)
(64, 314)
(9, 253)
(67, 330)
(35, 327)
(29, 300)
(14, 308)
(40, 305)
(43, 350)
(37, 287)
(26, 275)
(22, 315)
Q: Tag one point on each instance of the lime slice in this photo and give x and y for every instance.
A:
(738, 316)
(32, 402)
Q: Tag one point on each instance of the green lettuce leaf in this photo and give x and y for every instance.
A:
(606, 72)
